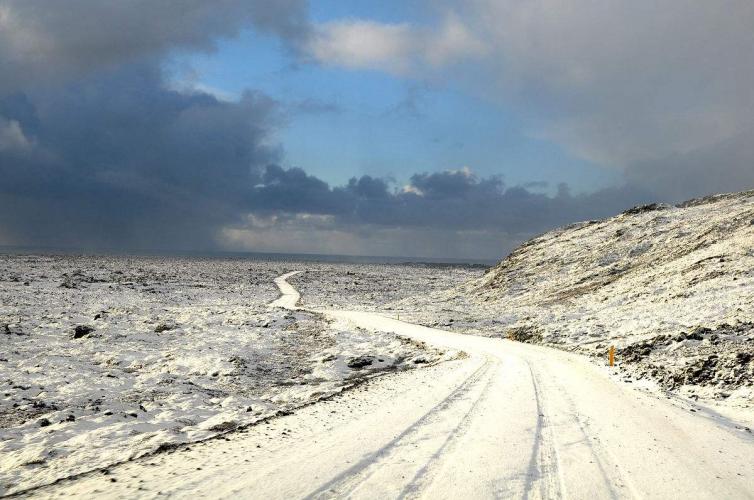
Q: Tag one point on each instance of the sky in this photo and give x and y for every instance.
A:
(416, 128)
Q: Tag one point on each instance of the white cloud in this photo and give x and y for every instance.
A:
(624, 81)
(12, 138)
(396, 48)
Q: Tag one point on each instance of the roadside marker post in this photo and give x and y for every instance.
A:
(611, 355)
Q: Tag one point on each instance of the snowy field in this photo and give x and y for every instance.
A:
(375, 287)
(107, 358)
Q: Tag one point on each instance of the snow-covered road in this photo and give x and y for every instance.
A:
(510, 420)
(289, 296)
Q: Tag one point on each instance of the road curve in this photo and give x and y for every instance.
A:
(289, 296)
(510, 420)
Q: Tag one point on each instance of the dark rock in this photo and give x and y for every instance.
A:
(43, 422)
(526, 333)
(82, 331)
(743, 357)
(224, 426)
(360, 362)
(67, 283)
(651, 207)
(163, 327)
(698, 333)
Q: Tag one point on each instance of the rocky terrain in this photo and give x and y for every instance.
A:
(671, 287)
(103, 359)
(375, 287)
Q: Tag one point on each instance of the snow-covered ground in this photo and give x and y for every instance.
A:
(106, 358)
(509, 420)
(376, 286)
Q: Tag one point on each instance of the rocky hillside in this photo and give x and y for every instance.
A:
(672, 287)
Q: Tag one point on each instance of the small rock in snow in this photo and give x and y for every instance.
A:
(360, 362)
(82, 331)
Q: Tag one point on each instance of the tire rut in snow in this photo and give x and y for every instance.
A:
(352, 478)
(544, 469)
(546, 462)
(426, 474)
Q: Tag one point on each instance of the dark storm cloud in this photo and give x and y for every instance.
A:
(452, 200)
(294, 191)
(368, 187)
(49, 40)
(119, 160)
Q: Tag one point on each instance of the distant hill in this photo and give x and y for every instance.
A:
(672, 287)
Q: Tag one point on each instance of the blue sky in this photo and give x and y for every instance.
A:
(379, 124)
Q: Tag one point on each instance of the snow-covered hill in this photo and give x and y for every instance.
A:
(671, 287)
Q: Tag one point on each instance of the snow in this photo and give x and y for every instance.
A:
(511, 420)
(181, 350)
(672, 288)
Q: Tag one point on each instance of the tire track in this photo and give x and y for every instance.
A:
(352, 478)
(544, 469)
(597, 454)
(424, 476)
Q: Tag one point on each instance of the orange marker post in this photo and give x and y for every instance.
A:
(611, 355)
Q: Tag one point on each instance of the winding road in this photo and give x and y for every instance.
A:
(509, 420)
